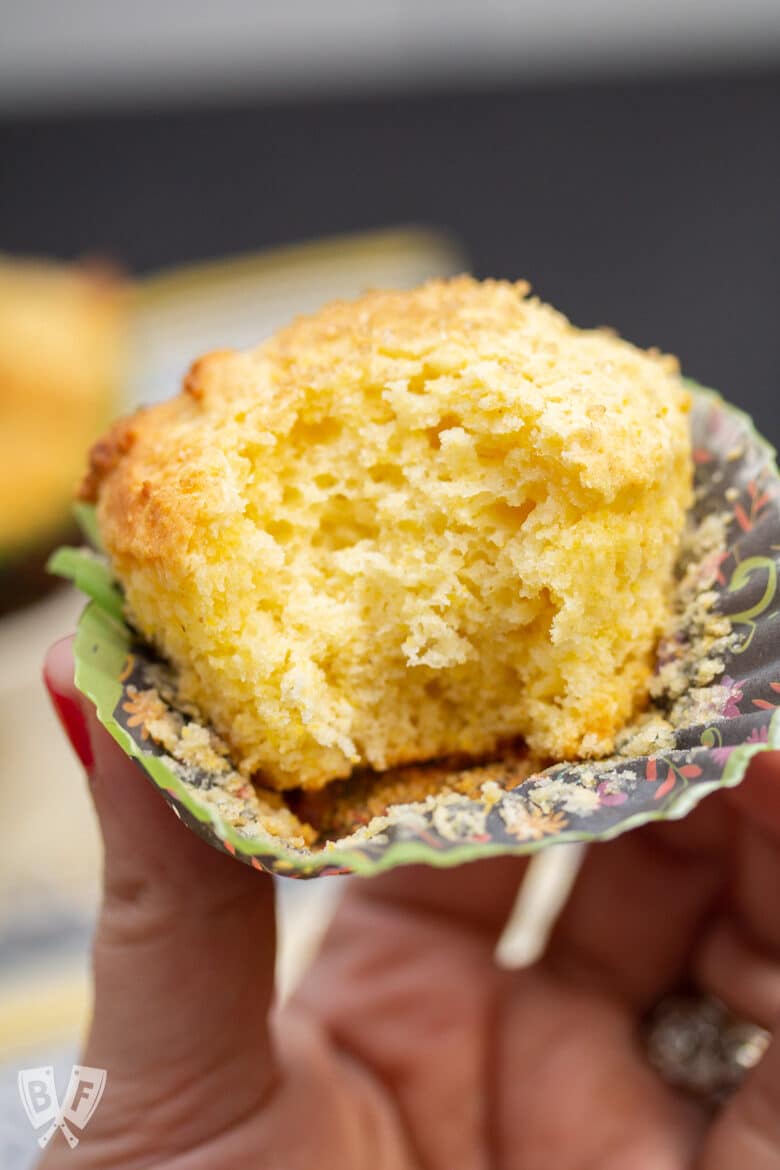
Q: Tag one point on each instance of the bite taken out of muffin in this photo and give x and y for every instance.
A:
(413, 526)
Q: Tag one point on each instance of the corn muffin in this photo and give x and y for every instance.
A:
(416, 525)
(62, 333)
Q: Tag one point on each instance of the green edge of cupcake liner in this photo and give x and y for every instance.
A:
(103, 642)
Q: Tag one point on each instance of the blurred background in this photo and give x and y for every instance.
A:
(623, 157)
(191, 174)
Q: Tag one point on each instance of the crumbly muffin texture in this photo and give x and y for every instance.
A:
(62, 334)
(419, 524)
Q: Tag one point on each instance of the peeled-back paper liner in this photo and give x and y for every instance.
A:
(715, 703)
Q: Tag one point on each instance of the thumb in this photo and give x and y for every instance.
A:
(183, 958)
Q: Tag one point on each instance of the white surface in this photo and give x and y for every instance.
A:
(50, 845)
(215, 306)
(99, 51)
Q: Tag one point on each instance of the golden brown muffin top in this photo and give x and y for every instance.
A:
(414, 525)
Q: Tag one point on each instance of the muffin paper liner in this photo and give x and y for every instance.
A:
(716, 703)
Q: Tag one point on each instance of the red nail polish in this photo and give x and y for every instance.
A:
(74, 725)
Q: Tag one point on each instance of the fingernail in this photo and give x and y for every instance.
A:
(73, 723)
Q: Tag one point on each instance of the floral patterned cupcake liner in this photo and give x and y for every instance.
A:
(715, 703)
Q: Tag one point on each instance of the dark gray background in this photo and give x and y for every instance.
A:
(651, 206)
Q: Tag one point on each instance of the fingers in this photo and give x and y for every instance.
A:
(695, 898)
(406, 982)
(758, 796)
(650, 907)
(477, 897)
(739, 959)
(757, 860)
(746, 979)
(747, 1133)
(184, 952)
(586, 1095)
(637, 908)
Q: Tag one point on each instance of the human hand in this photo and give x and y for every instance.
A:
(407, 1048)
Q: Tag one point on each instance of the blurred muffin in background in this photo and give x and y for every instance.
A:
(62, 355)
